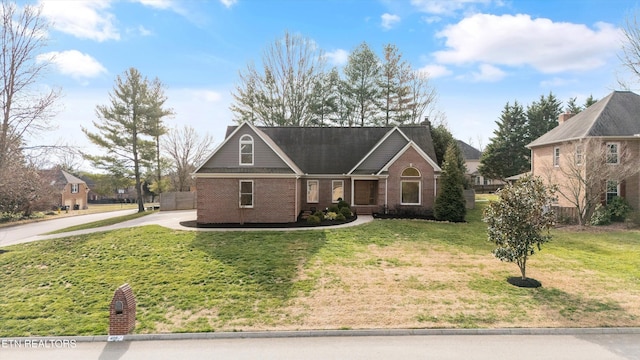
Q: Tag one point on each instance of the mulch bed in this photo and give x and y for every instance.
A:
(298, 224)
(524, 283)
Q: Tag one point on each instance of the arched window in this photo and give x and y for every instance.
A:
(246, 150)
(411, 186)
(411, 171)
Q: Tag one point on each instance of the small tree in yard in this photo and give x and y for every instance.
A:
(450, 203)
(519, 222)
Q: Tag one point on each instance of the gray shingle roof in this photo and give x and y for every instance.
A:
(336, 150)
(468, 151)
(618, 114)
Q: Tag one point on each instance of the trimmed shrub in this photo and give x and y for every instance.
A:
(319, 215)
(340, 217)
(330, 215)
(346, 212)
(334, 209)
(313, 220)
(343, 204)
(618, 209)
(600, 216)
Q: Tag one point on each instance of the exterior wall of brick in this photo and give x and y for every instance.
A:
(70, 199)
(543, 166)
(122, 323)
(273, 201)
(325, 193)
(411, 158)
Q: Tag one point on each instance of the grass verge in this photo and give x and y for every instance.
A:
(101, 223)
(385, 274)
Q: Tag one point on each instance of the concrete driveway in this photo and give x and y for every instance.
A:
(170, 219)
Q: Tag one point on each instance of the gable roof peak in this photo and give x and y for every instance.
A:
(617, 114)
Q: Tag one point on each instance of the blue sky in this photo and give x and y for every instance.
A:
(479, 53)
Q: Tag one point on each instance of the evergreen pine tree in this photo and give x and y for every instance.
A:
(450, 203)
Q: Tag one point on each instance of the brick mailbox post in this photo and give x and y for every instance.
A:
(122, 312)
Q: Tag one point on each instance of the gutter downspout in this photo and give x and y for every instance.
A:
(297, 202)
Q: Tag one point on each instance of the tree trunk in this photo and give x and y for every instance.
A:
(522, 264)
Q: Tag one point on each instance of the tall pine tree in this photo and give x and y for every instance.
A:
(542, 116)
(506, 154)
(124, 127)
(450, 203)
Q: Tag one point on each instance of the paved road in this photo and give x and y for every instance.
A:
(18, 234)
(494, 347)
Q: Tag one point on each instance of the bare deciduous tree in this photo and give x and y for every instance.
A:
(25, 109)
(282, 93)
(187, 150)
(630, 56)
(585, 168)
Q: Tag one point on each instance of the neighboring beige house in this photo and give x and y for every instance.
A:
(70, 190)
(596, 144)
(472, 157)
(272, 174)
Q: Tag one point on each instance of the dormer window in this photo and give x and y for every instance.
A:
(246, 150)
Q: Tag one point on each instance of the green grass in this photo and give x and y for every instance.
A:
(101, 223)
(226, 281)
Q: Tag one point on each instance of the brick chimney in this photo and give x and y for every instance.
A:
(564, 117)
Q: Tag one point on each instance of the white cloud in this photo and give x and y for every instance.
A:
(435, 71)
(488, 73)
(337, 57)
(517, 40)
(158, 4)
(389, 20)
(556, 82)
(83, 19)
(74, 63)
(446, 7)
(228, 3)
(207, 95)
(144, 31)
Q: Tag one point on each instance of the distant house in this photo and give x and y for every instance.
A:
(69, 190)
(472, 157)
(612, 124)
(272, 174)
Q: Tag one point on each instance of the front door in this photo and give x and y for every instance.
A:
(365, 192)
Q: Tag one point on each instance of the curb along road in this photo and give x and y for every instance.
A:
(338, 333)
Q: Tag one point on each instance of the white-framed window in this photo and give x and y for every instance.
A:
(337, 190)
(579, 154)
(246, 193)
(75, 188)
(613, 190)
(246, 150)
(410, 187)
(613, 153)
(313, 191)
(556, 156)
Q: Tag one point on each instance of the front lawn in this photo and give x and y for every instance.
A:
(385, 274)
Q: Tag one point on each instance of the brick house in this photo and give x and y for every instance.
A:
(68, 190)
(272, 174)
(612, 127)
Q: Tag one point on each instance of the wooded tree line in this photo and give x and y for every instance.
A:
(294, 87)
(506, 154)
